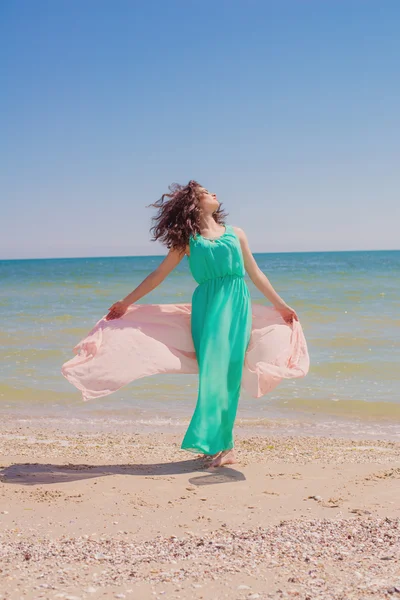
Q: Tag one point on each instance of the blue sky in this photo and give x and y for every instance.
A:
(288, 110)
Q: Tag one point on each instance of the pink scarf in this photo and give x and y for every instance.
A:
(156, 338)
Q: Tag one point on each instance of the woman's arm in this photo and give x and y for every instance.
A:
(260, 280)
(148, 284)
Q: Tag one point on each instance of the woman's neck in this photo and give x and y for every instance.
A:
(209, 224)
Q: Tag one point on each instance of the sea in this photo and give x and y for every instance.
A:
(348, 304)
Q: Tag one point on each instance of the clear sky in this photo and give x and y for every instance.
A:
(289, 111)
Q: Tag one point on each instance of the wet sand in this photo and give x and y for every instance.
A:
(130, 515)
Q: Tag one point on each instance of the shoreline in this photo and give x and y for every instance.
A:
(105, 514)
(141, 422)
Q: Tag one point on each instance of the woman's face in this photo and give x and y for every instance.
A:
(208, 201)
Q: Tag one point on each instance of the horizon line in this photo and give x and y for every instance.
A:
(163, 255)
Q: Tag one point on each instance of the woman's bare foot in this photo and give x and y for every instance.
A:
(209, 457)
(227, 457)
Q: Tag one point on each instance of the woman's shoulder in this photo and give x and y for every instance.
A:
(239, 231)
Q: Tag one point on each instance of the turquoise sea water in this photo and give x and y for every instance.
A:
(348, 304)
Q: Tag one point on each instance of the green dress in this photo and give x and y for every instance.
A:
(221, 326)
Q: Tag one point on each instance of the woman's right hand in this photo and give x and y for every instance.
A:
(117, 310)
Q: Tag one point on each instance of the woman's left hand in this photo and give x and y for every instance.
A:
(288, 314)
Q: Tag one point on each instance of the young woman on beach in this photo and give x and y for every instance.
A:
(191, 222)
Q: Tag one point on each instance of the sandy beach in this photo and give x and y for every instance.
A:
(130, 515)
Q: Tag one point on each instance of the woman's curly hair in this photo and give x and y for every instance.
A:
(178, 217)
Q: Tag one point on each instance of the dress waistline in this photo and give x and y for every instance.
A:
(227, 276)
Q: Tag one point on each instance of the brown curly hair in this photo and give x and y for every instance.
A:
(179, 217)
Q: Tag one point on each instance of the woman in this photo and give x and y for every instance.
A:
(191, 222)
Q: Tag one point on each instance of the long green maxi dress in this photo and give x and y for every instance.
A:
(221, 323)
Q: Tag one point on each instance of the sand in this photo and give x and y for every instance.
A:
(130, 515)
